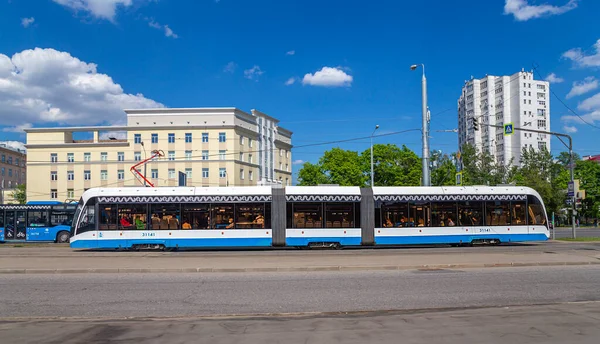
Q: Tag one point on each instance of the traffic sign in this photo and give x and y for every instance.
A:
(459, 179)
(571, 189)
(509, 129)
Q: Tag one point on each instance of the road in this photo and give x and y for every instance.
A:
(565, 232)
(107, 298)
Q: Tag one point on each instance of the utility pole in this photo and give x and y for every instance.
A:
(560, 136)
(425, 126)
(372, 173)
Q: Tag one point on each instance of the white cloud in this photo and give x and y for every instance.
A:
(104, 9)
(554, 79)
(253, 73)
(291, 52)
(168, 31)
(298, 162)
(18, 128)
(230, 67)
(581, 59)
(523, 11)
(570, 129)
(290, 81)
(592, 103)
(42, 86)
(329, 77)
(27, 21)
(588, 84)
(14, 145)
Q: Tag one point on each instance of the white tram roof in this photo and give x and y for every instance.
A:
(177, 191)
(322, 190)
(454, 190)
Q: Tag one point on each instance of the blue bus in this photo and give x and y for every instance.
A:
(36, 222)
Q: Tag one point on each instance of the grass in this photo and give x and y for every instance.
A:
(580, 239)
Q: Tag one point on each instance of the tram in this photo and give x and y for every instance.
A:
(306, 216)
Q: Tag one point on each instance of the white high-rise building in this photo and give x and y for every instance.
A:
(499, 100)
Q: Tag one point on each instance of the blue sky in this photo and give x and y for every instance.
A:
(349, 62)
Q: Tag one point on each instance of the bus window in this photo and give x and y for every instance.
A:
(395, 215)
(1, 218)
(419, 214)
(497, 213)
(60, 217)
(518, 213)
(107, 219)
(470, 213)
(37, 218)
(443, 214)
(537, 216)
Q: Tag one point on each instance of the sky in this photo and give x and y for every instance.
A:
(328, 70)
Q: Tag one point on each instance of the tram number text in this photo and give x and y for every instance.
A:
(485, 230)
(148, 234)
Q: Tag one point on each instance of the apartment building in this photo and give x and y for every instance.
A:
(12, 171)
(212, 146)
(499, 100)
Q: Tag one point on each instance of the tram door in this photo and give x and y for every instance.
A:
(15, 227)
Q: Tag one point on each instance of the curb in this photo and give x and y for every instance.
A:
(291, 269)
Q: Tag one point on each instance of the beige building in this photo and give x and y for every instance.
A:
(12, 171)
(212, 146)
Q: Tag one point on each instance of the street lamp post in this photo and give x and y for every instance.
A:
(425, 129)
(372, 174)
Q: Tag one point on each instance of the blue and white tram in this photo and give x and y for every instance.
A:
(187, 217)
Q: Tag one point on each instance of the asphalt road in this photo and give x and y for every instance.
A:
(433, 306)
(564, 232)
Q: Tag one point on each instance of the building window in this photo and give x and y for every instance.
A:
(171, 173)
(3, 158)
(204, 172)
(104, 175)
(53, 175)
(525, 101)
(241, 173)
(541, 87)
(204, 155)
(188, 137)
(281, 152)
(171, 155)
(529, 101)
(103, 156)
(287, 154)
(241, 140)
(241, 156)
(542, 102)
(171, 138)
(87, 157)
(281, 166)
(120, 174)
(154, 138)
(205, 137)
(3, 171)
(287, 181)
(222, 137)
(250, 175)
(10, 172)
(541, 112)
(70, 157)
(53, 194)
(222, 172)
(137, 156)
(70, 193)
(188, 173)
(70, 175)
(250, 158)
(524, 93)
(87, 175)
(154, 173)
(53, 157)
(222, 155)
(137, 138)
(10, 160)
(287, 167)
(541, 123)
(188, 155)
(250, 142)
(121, 156)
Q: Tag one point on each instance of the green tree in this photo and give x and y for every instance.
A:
(343, 167)
(311, 174)
(564, 158)
(393, 166)
(20, 194)
(588, 173)
(443, 171)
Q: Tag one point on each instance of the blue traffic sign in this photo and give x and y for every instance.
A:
(509, 129)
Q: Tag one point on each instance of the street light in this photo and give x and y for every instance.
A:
(425, 129)
(372, 174)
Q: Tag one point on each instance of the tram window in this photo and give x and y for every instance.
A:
(107, 217)
(419, 214)
(60, 217)
(308, 215)
(132, 216)
(1, 218)
(165, 216)
(536, 211)
(250, 215)
(37, 218)
(288, 215)
(497, 213)
(223, 216)
(87, 220)
(196, 216)
(339, 215)
(396, 215)
(267, 215)
(518, 213)
(470, 213)
(443, 214)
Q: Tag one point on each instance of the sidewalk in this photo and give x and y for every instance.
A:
(30, 260)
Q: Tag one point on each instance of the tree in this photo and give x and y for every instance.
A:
(393, 166)
(20, 194)
(311, 174)
(443, 169)
(343, 167)
(564, 158)
(588, 173)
